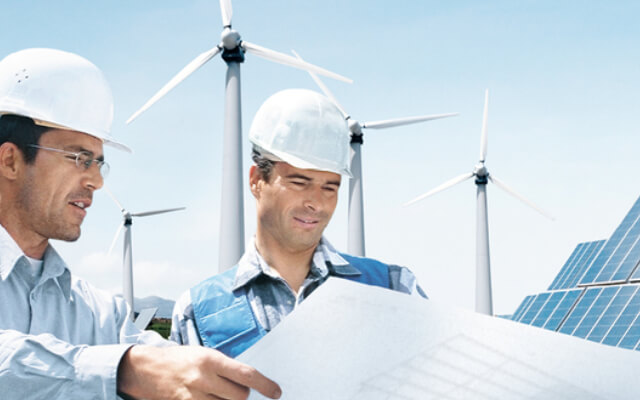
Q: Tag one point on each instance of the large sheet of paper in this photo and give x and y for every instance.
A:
(352, 341)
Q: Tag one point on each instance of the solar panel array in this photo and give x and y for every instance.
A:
(594, 296)
(619, 256)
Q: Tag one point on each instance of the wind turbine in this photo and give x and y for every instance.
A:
(233, 49)
(127, 258)
(355, 238)
(484, 302)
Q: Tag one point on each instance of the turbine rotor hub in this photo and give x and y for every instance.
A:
(230, 38)
(480, 170)
(355, 127)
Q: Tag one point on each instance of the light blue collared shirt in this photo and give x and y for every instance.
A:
(60, 337)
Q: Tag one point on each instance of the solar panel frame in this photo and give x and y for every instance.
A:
(635, 275)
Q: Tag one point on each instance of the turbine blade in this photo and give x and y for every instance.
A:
(289, 60)
(518, 196)
(484, 138)
(115, 239)
(442, 187)
(197, 62)
(404, 121)
(227, 12)
(323, 87)
(106, 189)
(147, 213)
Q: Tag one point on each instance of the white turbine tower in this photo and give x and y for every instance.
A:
(355, 238)
(484, 302)
(127, 257)
(233, 49)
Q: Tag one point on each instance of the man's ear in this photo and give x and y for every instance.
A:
(11, 160)
(255, 177)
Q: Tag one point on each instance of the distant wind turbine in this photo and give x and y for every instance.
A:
(355, 238)
(127, 258)
(233, 49)
(484, 302)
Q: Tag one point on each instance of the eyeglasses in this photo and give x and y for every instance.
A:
(83, 159)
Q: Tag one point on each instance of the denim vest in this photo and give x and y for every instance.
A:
(225, 319)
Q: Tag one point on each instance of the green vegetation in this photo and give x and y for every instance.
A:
(160, 325)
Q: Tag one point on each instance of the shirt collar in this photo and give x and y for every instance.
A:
(325, 261)
(10, 253)
(54, 267)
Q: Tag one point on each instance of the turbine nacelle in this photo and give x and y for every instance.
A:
(128, 218)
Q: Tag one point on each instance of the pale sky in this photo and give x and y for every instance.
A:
(564, 82)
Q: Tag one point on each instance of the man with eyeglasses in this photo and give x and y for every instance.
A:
(60, 337)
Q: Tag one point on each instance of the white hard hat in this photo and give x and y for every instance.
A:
(302, 128)
(59, 90)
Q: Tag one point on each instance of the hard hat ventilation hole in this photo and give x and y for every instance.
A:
(22, 75)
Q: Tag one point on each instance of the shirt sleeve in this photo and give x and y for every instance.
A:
(34, 367)
(183, 326)
(401, 279)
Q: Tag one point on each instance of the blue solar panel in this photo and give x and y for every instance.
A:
(624, 321)
(568, 266)
(629, 263)
(563, 309)
(547, 309)
(632, 337)
(636, 275)
(591, 251)
(611, 313)
(620, 255)
(603, 267)
(522, 308)
(591, 296)
(535, 307)
(585, 302)
(595, 312)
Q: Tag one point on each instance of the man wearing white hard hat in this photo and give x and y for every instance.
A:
(60, 337)
(300, 149)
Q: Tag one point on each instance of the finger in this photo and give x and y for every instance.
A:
(219, 387)
(249, 377)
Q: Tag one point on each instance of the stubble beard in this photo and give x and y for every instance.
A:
(48, 225)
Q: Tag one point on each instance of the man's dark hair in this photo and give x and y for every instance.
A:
(265, 166)
(22, 132)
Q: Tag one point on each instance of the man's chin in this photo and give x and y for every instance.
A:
(68, 236)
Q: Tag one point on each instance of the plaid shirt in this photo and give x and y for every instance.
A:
(271, 297)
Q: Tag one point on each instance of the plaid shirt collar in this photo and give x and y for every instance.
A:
(325, 261)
